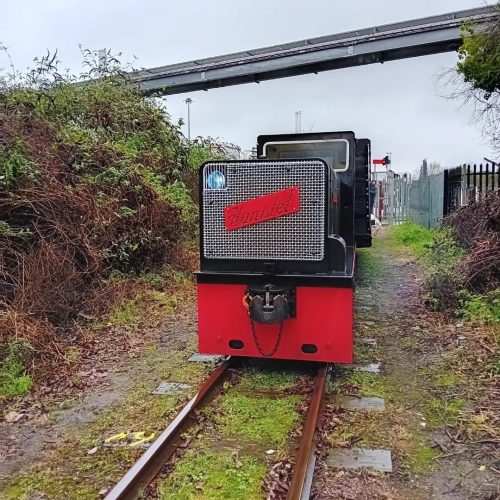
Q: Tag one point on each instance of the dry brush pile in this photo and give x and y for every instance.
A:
(92, 182)
(477, 228)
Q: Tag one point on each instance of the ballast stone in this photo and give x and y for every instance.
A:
(171, 388)
(205, 358)
(362, 403)
(359, 458)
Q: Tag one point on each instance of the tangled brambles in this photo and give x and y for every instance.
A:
(462, 271)
(477, 228)
(92, 183)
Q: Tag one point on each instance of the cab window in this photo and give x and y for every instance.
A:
(334, 152)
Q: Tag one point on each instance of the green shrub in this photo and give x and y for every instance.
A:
(178, 195)
(479, 308)
(441, 280)
(14, 162)
(14, 381)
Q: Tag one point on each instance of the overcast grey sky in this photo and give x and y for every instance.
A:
(397, 104)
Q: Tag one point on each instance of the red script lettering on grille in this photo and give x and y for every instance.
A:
(263, 208)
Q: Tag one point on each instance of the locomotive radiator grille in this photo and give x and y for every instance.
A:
(297, 236)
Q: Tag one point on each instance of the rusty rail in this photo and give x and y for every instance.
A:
(304, 460)
(150, 463)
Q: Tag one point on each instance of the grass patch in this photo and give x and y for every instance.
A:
(364, 354)
(442, 376)
(14, 380)
(479, 308)
(448, 380)
(409, 343)
(146, 308)
(445, 398)
(421, 457)
(368, 266)
(259, 419)
(367, 384)
(412, 236)
(440, 411)
(211, 475)
(265, 378)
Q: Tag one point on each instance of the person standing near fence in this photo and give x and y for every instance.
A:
(373, 194)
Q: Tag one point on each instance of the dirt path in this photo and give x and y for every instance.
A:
(424, 394)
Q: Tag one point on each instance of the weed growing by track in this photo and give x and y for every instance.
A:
(264, 420)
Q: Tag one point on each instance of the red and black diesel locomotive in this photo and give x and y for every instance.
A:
(278, 237)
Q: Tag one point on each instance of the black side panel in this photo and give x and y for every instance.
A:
(362, 222)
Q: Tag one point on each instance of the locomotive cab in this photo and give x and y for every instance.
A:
(348, 159)
(277, 247)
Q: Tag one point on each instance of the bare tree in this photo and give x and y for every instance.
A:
(476, 78)
(434, 167)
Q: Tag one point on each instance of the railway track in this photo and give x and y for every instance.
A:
(147, 467)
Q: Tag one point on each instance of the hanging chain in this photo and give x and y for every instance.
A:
(257, 343)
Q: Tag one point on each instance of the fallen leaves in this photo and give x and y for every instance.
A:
(277, 481)
(13, 416)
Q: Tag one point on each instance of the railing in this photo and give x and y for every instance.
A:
(469, 183)
(429, 198)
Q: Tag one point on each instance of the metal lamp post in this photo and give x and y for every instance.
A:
(188, 101)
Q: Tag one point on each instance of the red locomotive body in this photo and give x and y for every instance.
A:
(277, 250)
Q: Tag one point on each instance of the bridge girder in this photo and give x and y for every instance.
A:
(419, 37)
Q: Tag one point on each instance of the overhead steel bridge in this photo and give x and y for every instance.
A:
(389, 42)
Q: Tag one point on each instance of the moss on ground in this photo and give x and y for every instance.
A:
(368, 265)
(421, 457)
(255, 422)
(146, 309)
(360, 382)
(263, 377)
(364, 354)
(441, 411)
(211, 475)
(447, 393)
(264, 420)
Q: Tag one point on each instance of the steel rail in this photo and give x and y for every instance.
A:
(303, 468)
(140, 475)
